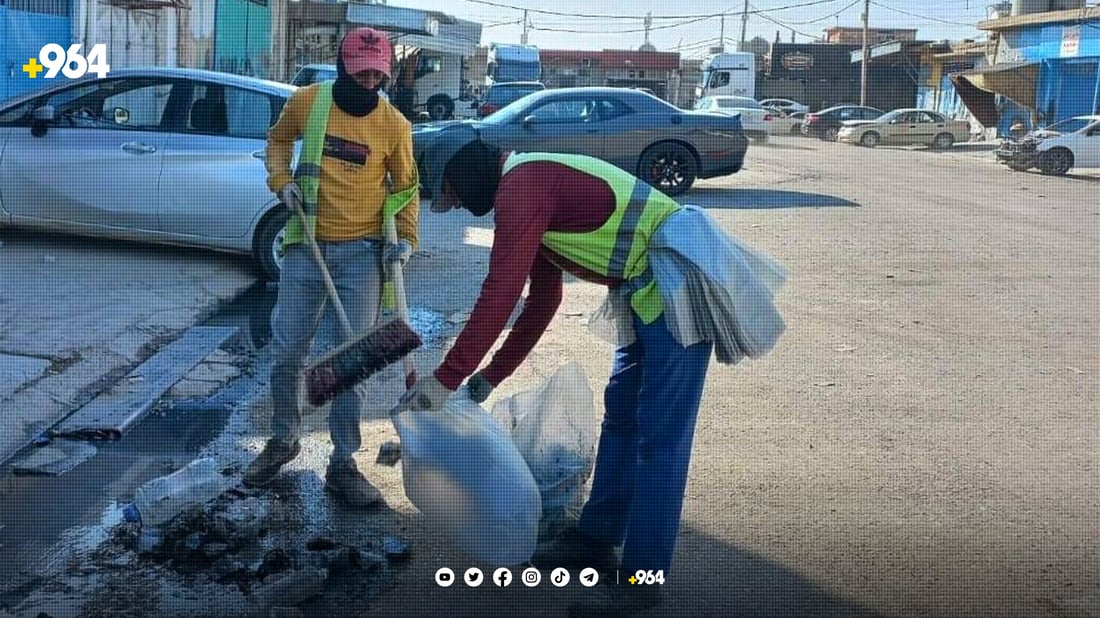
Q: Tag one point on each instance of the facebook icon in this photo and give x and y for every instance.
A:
(502, 577)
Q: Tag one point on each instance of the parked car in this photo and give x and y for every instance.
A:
(785, 105)
(904, 127)
(313, 73)
(1056, 149)
(664, 145)
(826, 123)
(786, 124)
(754, 118)
(501, 94)
(162, 155)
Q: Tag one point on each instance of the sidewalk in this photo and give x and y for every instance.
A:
(78, 314)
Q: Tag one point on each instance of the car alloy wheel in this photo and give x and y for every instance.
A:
(1056, 162)
(869, 139)
(669, 168)
(267, 243)
(943, 141)
(830, 134)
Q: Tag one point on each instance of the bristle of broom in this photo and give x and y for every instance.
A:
(357, 360)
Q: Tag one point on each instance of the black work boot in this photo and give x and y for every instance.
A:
(574, 549)
(616, 600)
(266, 466)
(345, 480)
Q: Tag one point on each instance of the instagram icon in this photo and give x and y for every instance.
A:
(531, 577)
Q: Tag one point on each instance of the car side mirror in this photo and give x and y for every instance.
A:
(46, 113)
(41, 118)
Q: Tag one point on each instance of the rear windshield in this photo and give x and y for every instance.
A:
(502, 96)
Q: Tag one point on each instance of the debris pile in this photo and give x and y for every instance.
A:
(240, 542)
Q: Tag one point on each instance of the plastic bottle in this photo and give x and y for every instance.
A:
(161, 499)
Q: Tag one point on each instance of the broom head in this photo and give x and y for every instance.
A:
(358, 359)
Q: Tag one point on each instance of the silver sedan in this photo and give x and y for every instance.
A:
(161, 155)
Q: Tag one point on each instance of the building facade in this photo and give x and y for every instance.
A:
(854, 36)
(1045, 68)
(657, 71)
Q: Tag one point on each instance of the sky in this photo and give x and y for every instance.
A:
(692, 26)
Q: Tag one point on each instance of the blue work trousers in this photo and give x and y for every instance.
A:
(651, 402)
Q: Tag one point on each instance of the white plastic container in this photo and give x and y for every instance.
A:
(161, 499)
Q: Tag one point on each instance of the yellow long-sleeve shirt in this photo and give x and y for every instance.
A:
(361, 157)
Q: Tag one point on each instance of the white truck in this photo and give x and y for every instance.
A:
(512, 63)
(728, 73)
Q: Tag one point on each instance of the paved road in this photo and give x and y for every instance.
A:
(923, 440)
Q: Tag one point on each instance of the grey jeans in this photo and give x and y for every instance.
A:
(356, 268)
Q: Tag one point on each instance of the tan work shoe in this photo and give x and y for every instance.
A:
(267, 464)
(347, 481)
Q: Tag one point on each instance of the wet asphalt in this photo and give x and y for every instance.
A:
(57, 526)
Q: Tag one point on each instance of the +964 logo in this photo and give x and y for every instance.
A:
(71, 63)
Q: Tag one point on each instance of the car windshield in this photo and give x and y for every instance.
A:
(889, 116)
(508, 113)
(1072, 125)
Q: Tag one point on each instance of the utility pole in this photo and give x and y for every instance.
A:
(648, 23)
(722, 36)
(866, 55)
(744, 24)
(523, 39)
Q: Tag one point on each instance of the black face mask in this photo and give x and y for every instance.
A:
(474, 173)
(350, 96)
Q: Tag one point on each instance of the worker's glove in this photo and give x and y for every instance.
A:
(479, 387)
(291, 195)
(396, 252)
(428, 394)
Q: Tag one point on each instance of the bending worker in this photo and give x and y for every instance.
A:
(555, 212)
(355, 144)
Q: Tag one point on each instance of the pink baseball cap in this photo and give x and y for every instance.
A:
(366, 48)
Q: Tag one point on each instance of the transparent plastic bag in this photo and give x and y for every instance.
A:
(554, 426)
(462, 470)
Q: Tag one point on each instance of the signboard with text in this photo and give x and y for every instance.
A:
(1071, 41)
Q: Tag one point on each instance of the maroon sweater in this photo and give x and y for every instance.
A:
(532, 198)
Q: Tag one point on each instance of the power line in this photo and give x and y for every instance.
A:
(636, 17)
(925, 17)
(779, 23)
(631, 31)
(824, 17)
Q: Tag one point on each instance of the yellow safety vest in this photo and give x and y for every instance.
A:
(618, 247)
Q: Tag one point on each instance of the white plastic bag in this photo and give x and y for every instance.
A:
(461, 469)
(554, 426)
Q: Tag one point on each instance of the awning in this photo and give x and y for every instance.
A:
(1016, 80)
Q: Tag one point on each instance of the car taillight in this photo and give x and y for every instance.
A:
(812, 118)
(488, 108)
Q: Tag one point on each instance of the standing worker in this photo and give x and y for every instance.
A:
(555, 212)
(365, 145)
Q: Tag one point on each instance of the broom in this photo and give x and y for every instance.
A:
(360, 357)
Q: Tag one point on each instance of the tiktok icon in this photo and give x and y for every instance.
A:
(560, 577)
